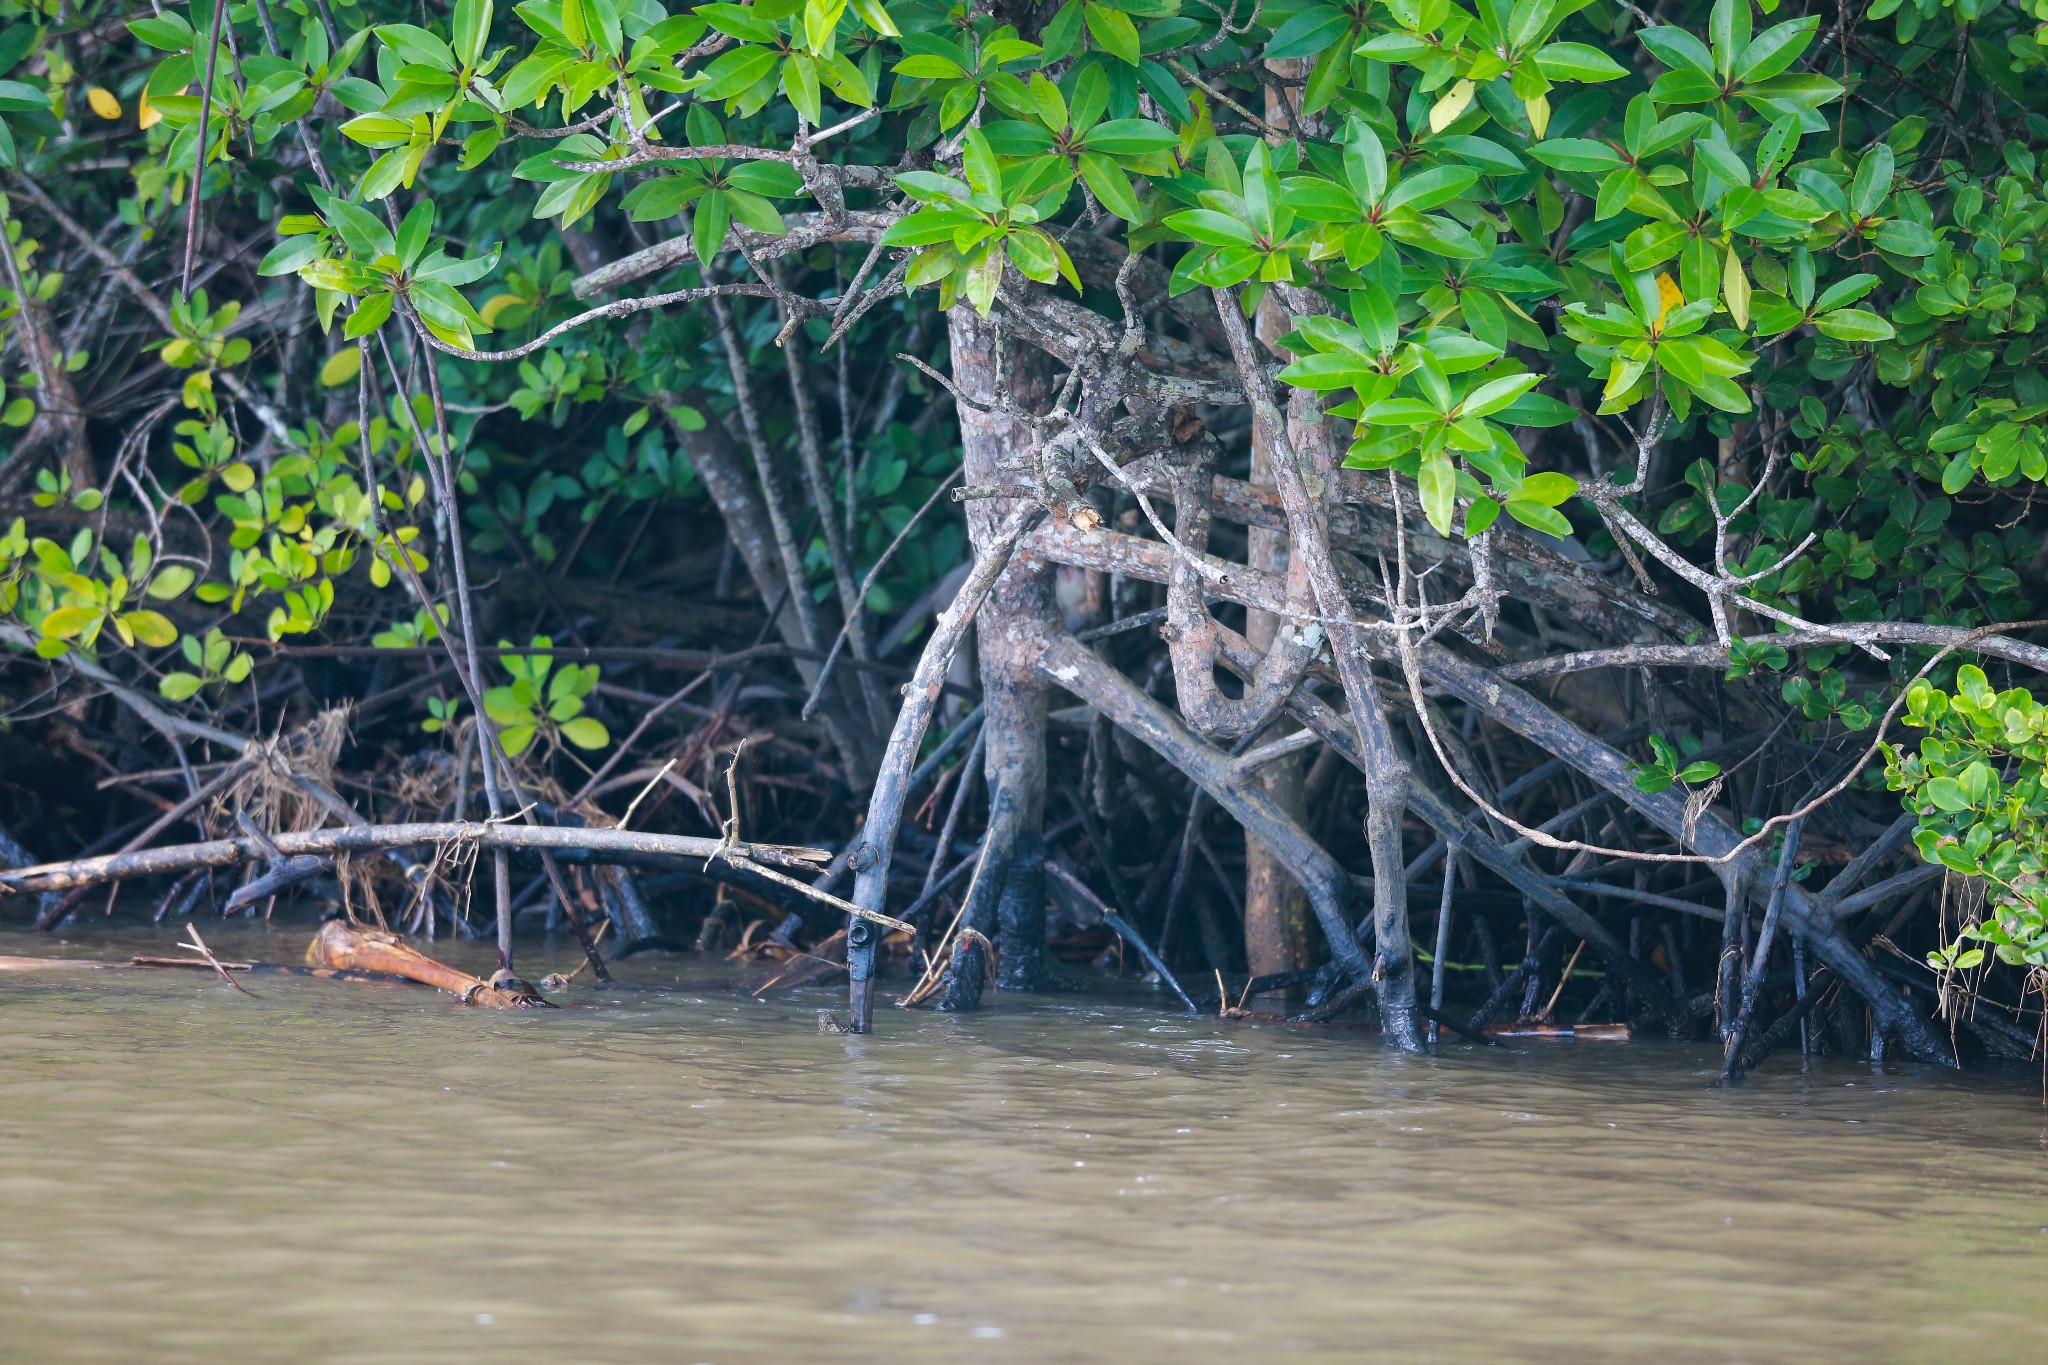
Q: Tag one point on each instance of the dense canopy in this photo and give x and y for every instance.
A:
(1581, 454)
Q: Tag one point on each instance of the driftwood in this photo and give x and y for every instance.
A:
(1609, 1033)
(348, 947)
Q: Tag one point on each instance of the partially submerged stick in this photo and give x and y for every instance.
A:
(198, 945)
(1123, 929)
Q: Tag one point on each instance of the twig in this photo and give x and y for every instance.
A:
(198, 945)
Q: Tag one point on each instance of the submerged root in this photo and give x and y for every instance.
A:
(970, 974)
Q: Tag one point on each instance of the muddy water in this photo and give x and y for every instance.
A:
(669, 1171)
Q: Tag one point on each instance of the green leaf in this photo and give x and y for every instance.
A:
(777, 179)
(1481, 514)
(1032, 253)
(1577, 62)
(1324, 373)
(1685, 87)
(1129, 137)
(1496, 394)
(1775, 49)
(1308, 33)
(361, 232)
(929, 66)
(876, 17)
(586, 732)
(373, 312)
(1536, 410)
(167, 32)
(1113, 32)
(290, 255)
(1548, 488)
(1537, 517)
(735, 72)
(1873, 182)
(170, 582)
(1854, 324)
(978, 163)
(1438, 483)
(1576, 154)
(1844, 291)
(1431, 188)
(472, 29)
(412, 236)
(751, 210)
(1678, 49)
(411, 43)
(1948, 794)
(1110, 186)
(1904, 237)
(1401, 412)
(1212, 228)
(708, 225)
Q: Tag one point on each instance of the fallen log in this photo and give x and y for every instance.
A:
(592, 844)
(347, 947)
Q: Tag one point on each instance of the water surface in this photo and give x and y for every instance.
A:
(670, 1171)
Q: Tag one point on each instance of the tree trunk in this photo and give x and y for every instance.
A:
(1276, 910)
(1020, 610)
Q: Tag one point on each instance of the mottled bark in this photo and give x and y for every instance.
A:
(1021, 608)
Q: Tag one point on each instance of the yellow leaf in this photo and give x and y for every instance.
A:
(103, 102)
(1669, 296)
(1735, 285)
(1538, 110)
(147, 115)
(344, 365)
(67, 623)
(153, 628)
(1446, 110)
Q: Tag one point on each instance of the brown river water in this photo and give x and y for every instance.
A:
(668, 1171)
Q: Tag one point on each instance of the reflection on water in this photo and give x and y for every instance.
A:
(669, 1171)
